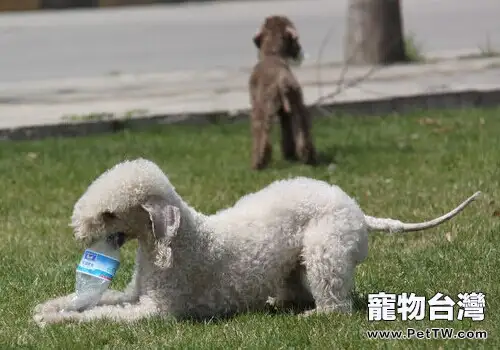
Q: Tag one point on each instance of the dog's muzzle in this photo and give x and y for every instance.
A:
(297, 61)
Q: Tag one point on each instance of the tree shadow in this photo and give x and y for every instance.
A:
(335, 153)
(269, 310)
(360, 305)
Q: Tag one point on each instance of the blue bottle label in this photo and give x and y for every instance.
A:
(98, 265)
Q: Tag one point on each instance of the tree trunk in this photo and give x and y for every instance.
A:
(374, 32)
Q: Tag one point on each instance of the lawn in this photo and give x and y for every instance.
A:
(410, 167)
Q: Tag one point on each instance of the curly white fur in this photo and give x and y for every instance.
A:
(296, 241)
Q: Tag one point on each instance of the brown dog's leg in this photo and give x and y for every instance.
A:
(261, 148)
(287, 137)
(304, 144)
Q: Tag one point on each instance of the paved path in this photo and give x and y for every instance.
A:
(83, 43)
(47, 102)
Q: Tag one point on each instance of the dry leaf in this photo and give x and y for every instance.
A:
(32, 155)
(496, 212)
(442, 130)
(448, 236)
(429, 121)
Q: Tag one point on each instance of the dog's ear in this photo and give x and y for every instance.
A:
(165, 219)
(165, 222)
(257, 38)
(292, 32)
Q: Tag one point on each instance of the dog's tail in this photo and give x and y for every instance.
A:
(391, 225)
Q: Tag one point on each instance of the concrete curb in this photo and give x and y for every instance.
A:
(400, 104)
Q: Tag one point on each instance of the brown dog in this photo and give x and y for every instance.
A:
(274, 90)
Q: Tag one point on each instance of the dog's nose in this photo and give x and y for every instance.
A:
(120, 240)
(117, 239)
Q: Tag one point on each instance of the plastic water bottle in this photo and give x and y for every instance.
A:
(96, 270)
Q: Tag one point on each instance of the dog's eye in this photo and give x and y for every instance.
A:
(107, 215)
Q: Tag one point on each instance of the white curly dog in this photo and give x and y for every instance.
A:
(297, 241)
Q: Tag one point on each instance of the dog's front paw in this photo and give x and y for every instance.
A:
(45, 318)
(54, 305)
(38, 318)
(48, 306)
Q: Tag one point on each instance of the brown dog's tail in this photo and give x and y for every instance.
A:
(391, 225)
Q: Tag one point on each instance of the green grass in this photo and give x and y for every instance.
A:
(413, 49)
(410, 167)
